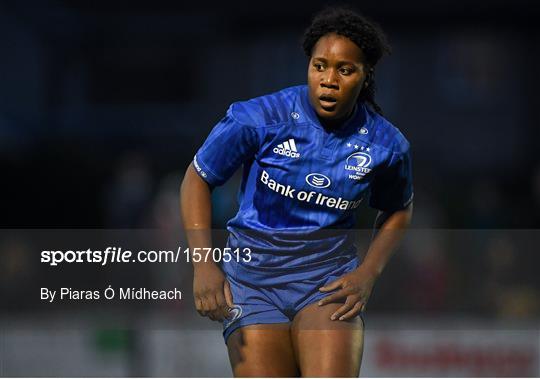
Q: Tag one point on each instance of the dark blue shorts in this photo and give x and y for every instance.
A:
(270, 297)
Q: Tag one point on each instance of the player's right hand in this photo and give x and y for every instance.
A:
(211, 291)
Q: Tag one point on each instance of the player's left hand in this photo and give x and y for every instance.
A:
(355, 287)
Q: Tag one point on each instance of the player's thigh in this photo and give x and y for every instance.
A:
(262, 350)
(324, 347)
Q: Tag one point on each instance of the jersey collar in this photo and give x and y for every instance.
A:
(360, 117)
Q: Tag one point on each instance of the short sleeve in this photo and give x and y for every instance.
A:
(392, 187)
(229, 144)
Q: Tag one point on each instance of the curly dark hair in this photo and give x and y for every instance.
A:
(360, 30)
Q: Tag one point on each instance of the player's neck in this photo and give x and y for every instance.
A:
(332, 125)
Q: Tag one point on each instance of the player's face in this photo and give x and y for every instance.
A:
(336, 75)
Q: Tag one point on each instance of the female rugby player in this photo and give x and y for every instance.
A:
(291, 301)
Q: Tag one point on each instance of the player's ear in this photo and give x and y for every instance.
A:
(369, 76)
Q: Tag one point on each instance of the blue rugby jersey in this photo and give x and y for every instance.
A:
(302, 183)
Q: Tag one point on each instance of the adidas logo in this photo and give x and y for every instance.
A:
(287, 148)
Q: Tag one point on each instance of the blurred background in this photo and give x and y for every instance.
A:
(104, 103)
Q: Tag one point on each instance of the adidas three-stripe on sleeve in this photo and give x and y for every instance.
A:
(229, 144)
